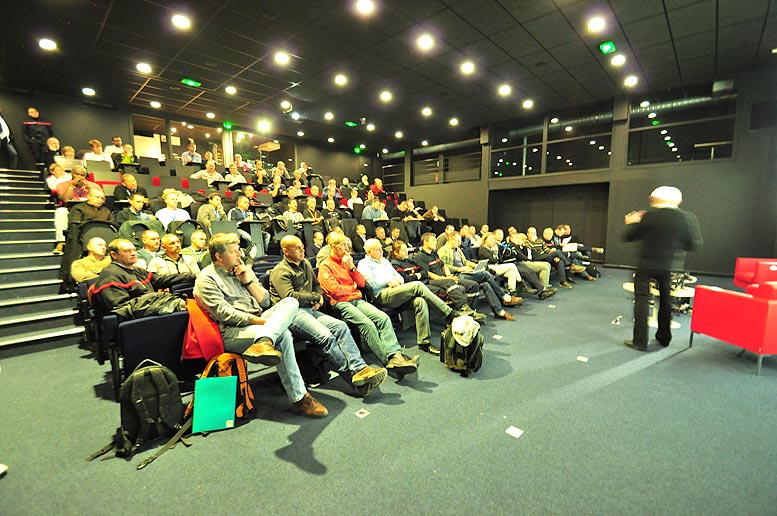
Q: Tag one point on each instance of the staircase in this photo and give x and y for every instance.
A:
(32, 311)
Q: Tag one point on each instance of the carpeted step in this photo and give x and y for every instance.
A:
(40, 259)
(64, 335)
(38, 245)
(37, 321)
(25, 214)
(28, 274)
(31, 304)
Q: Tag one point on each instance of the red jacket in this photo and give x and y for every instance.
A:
(338, 282)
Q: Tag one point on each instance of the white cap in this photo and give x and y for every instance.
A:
(668, 194)
(464, 329)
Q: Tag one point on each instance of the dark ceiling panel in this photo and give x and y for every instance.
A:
(656, 55)
(744, 35)
(485, 53)
(573, 54)
(699, 45)
(629, 11)
(516, 42)
(552, 30)
(486, 17)
(648, 32)
(540, 63)
(454, 29)
(526, 10)
(692, 19)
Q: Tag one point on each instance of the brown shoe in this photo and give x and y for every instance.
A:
(59, 248)
(263, 352)
(402, 364)
(507, 316)
(309, 406)
(590, 278)
(366, 375)
(376, 377)
(576, 268)
(513, 301)
(564, 284)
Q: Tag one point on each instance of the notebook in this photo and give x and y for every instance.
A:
(214, 403)
(481, 266)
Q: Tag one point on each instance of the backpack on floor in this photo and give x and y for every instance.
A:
(231, 364)
(461, 346)
(593, 270)
(151, 409)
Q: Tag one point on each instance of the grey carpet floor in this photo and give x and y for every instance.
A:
(672, 431)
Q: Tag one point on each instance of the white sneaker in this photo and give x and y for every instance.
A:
(3, 469)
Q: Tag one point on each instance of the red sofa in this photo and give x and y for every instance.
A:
(746, 320)
(752, 271)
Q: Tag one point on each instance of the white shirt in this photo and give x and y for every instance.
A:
(91, 156)
(113, 149)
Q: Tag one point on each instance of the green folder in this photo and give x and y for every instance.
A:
(214, 403)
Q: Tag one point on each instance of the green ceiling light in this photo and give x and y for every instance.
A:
(351, 123)
(669, 144)
(227, 125)
(656, 122)
(357, 150)
(607, 47)
(191, 82)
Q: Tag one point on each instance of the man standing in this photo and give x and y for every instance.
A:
(229, 292)
(6, 144)
(190, 155)
(341, 281)
(116, 146)
(391, 291)
(666, 232)
(36, 132)
(294, 277)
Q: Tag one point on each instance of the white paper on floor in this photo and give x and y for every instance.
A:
(362, 413)
(551, 306)
(514, 432)
(581, 358)
(498, 337)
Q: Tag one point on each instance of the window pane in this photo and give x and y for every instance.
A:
(712, 139)
(592, 125)
(683, 110)
(583, 154)
(502, 138)
(462, 167)
(523, 161)
(426, 171)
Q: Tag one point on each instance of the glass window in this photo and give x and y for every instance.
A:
(579, 154)
(462, 167)
(682, 110)
(426, 171)
(584, 126)
(521, 161)
(712, 139)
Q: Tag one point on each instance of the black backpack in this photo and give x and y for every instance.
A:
(458, 358)
(151, 409)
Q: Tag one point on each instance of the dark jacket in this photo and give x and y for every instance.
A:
(37, 130)
(117, 284)
(297, 281)
(665, 235)
(122, 193)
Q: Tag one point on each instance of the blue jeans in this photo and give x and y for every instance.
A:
(488, 284)
(374, 326)
(237, 339)
(333, 337)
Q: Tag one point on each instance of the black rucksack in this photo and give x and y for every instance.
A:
(459, 358)
(151, 409)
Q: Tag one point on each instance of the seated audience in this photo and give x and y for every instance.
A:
(312, 215)
(172, 261)
(208, 173)
(135, 211)
(151, 248)
(128, 186)
(433, 214)
(235, 176)
(490, 251)
(125, 157)
(229, 292)
(535, 250)
(50, 150)
(374, 211)
(115, 147)
(56, 177)
(199, 248)
(295, 190)
(330, 211)
(276, 188)
(190, 155)
(68, 152)
(377, 187)
(294, 277)
(240, 213)
(360, 238)
(241, 165)
(93, 263)
(210, 211)
(97, 154)
(281, 171)
(78, 187)
(171, 211)
(331, 188)
(292, 215)
(390, 290)
(355, 199)
(122, 281)
(341, 281)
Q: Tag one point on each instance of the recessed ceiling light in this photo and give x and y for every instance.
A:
(398, 134)
(618, 60)
(341, 80)
(89, 92)
(173, 130)
(181, 21)
(596, 24)
(663, 131)
(154, 104)
(285, 105)
(207, 135)
(241, 135)
(230, 90)
(505, 89)
(554, 120)
(467, 67)
(667, 138)
(362, 146)
(47, 44)
(384, 151)
(558, 157)
(774, 51)
(386, 96)
(644, 103)
(568, 129)
(453, 121)
(601, 147)
(674, 149)
(592, 142)
(143, 67)
(630, 81)
(282, 58)
(329, 115)
(300, 133)
(528, 104)
(504, 140)
(424, 143)
(264, 126)
(218, 129)
(652, 115)
(210, 115)
(426, 111)
(190, 126)
(365, 7)
(183, 123)
(370, 127)
(425, 42)
(295, 116)
(330, 140)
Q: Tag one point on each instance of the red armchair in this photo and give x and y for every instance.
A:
(748, 321)
(753, 271)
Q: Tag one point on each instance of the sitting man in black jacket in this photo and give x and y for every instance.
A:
(122, 281)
